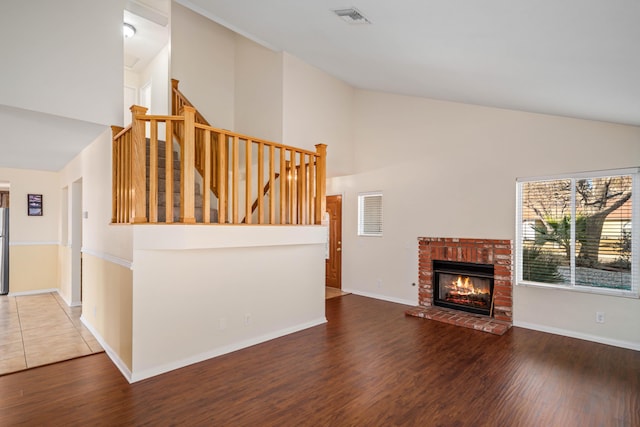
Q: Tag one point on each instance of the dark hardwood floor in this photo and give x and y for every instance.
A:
(369, 366)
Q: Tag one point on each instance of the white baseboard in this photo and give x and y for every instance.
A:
(36, 292)
(381, 297)
(112, 354)
(161, 369)
(579, 335)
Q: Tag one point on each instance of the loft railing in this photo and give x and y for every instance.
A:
(243, 167)
(178, 102)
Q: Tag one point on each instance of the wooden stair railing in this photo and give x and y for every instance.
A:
(298, 199)
(178, 102)
(262, 195)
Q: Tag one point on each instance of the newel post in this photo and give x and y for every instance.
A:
(174, 97)
(138, 166)
(187, 167)
(321, 182)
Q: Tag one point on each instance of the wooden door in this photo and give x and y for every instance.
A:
(334, 263)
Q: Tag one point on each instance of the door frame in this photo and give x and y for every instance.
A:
(332, 243)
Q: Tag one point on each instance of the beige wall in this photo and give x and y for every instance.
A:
(33, 268)
(258, 90)
(33, 239)
(157, 73)
(202, 58)
(449, 170)
(194, 286)
(107, 279)
(318, 109)
(107, 305)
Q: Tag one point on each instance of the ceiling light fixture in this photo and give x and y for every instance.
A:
(128, 30)
(351, 16)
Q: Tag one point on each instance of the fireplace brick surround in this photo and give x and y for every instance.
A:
(485, 251)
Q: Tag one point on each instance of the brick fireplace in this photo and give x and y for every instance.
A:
(482, 251)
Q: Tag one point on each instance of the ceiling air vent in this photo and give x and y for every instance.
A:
(352, 16)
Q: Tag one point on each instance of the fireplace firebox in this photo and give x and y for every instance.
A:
(463, 286)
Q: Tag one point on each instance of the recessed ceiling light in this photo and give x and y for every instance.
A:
(128, 30)
(351, 16)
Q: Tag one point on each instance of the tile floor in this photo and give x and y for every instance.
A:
(333, 292)
(40, 329)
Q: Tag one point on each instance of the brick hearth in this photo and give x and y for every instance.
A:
(485, 251)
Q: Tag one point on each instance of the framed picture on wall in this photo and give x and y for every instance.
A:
(34, 204)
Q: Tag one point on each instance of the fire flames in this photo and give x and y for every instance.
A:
(464, 286)
(463, 291)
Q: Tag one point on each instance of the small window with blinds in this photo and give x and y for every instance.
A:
(579, 232)
(370, 214)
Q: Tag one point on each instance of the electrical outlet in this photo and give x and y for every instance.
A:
(599, 317)
(223, 323)
(247, 319)
(379, 283)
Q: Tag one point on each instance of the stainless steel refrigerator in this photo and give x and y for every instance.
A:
(4, 251)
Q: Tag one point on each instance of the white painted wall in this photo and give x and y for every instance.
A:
(449, 170)
(61, 65)
(157, 73)
(275, 275)
(93, 167)
(258, 90)
(318, 109)
(202, 59)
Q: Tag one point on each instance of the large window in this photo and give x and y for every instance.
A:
(579, 231)
(370, 214)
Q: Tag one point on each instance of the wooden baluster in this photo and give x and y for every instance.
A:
(248, 199)
(302, 190)
(291, 180)
(311, 183)
(272, 185)
(187, 168)
(283, 186)
(293, 189)
(222, 178)
(138, 166)
(153, 172)
(260, 183)
(321, 182)
(168, 172)
(115, 172)
(206, 199)
(175, 99)
(234, 183)
(126, 188)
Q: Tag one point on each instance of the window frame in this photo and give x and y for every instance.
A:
(361, 197)
(634, 292)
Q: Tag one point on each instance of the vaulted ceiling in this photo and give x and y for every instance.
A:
(576, 58)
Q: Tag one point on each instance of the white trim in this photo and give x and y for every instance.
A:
(583, 289)
(381, 297)
(112, 354)
(581, 175)
(634, 292)
(50, 243)
(69, 303)
(157, 370)
(579, 335)
(361, 214)
(35, 292)
(110, 258)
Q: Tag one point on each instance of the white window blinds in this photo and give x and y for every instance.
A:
(370, 214)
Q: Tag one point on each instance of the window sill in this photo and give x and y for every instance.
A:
(582, 289)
